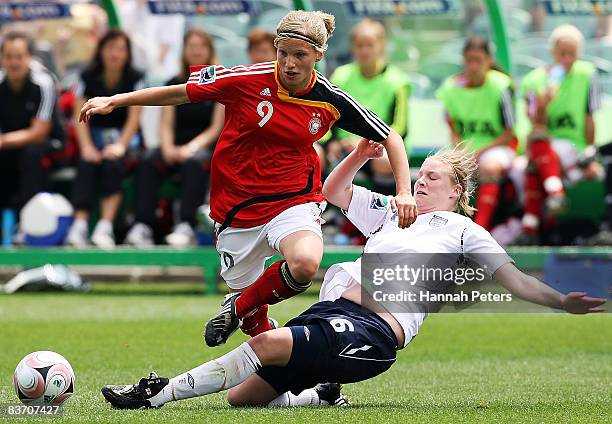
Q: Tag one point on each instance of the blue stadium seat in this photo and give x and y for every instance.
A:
(581, 273)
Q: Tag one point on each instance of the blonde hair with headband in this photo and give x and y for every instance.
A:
(313, 27)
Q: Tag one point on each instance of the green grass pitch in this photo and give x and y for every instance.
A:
(549, 368)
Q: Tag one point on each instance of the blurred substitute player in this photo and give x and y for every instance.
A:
(381, 87)
(480, 109)
(561, 100)
(265, 177)
(340, 338)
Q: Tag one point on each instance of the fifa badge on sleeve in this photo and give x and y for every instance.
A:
(207, 75)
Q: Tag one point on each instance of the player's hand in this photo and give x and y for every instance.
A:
(405, 206)
(113, 151)
(170, 154)
(580, 303)
(90, 154)
(370, 149)
(96, 106)
(187, 151)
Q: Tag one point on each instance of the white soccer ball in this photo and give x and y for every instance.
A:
(44, 378)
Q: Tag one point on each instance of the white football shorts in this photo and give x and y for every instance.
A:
(244, 251)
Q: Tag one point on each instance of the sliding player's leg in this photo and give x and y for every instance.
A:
(272, 348)
(255, 391)
(293, 384)
(332, 341)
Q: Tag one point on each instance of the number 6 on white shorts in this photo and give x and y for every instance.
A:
(265, 116)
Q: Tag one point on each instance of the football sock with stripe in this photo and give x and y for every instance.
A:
(273, 286)
(256, 323)
(213, 376)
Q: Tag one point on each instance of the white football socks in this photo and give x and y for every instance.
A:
(213, 376)
(305, 398)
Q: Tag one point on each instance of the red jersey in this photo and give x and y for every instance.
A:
(264, 161)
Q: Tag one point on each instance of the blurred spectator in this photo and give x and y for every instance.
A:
(538, 14)
(188, 133)
(480, 110)
(381, 87)
(561, 100)
(261, 46)
(105, 140)
(29, 121)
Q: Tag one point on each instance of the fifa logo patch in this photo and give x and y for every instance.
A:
(315, 123)
(378, 202)
(437, 221)
(207, 75)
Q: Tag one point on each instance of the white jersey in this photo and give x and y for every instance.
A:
(433, 232)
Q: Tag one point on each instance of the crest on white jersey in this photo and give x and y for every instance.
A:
(207, 75)
(378, 202)
(437, 221)
(266, 92)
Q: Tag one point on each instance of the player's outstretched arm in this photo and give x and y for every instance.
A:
(338, 187)
(531, 289)
(155, 96)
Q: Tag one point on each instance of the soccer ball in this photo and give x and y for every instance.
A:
(44, 378)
